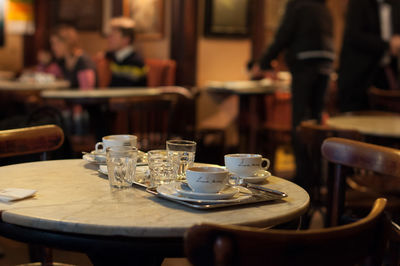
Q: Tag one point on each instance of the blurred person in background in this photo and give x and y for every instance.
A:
(75, 65)
(306, 35)
(77, 68)
(126, 64)
(370, 50)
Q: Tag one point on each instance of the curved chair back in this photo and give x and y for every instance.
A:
(30, 140)
(209, 244)
(359, 155)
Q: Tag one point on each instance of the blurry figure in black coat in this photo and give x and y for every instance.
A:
(306, 35)
(370, 48)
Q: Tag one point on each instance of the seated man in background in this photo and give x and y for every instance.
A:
(126, 65)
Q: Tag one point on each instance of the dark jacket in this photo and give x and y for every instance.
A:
(363, 47)
(306, 32)
(130, 72)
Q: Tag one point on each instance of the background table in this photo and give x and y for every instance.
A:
(252, 104)
(74, 200)
(374, 125)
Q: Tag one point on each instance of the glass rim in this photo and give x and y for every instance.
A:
(181, 142)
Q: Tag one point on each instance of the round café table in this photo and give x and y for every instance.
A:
(74, 208)
(373, 125)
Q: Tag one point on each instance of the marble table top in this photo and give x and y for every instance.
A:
(33, 86)
(73, 197)
(106, 93)
(375, 125)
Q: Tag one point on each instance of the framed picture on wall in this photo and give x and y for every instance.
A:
(148, 16)
(83, 15)
(227, 18)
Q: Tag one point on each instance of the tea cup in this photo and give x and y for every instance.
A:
(245, 164)
(207, 179)
(115, 140)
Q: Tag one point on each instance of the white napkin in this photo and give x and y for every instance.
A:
(11, 194)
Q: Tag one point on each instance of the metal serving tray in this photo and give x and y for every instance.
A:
(258, 196)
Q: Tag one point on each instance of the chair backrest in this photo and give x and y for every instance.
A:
(208, 244)
(359, 155)
(388, 100)
(103, 71)
(313, 168)
(151, 118)
(30, 140)
(161, 72)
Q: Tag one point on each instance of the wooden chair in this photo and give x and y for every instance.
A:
(347, 154)
(312, 168)
(153, 119)
(32, 140)
(387, 100)
(208, 244)
(160, 72)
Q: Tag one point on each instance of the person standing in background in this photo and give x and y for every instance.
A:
(306, 35)
(126, 64)
(369, 53)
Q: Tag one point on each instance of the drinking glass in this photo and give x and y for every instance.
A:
(162, 169)
(182, 153)
(121, 165)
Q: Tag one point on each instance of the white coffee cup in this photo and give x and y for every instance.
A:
(115, 140)
(244, 165)
(207, 179)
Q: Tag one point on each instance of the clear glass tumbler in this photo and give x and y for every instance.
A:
(162, 169)
(121, 165)
(182, 153)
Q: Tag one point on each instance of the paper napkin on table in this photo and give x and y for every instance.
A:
(11, 194)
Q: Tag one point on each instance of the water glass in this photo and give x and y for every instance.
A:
(182, 153)
(162, 169)
(121, 165)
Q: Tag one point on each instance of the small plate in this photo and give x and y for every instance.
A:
(259, 177)
(226, 193)
(100, 158)
(140, 170)
(169, 191)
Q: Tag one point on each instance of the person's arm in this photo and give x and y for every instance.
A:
(282, 37)
(355, 34)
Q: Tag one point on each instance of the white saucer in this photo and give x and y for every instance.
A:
(169, 191)
(226, 193)
(259, 177)
(98, 157)
(140, 170)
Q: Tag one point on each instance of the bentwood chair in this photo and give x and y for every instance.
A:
(209, 244)
(153, 119)
(372, 160)
(32, 140)
(312, 169)
(387, 100)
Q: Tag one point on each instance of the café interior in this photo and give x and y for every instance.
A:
(171, 132)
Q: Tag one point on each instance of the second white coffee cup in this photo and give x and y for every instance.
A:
(115, 140)
(245, 164)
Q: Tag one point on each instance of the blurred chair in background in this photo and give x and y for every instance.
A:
(386, 100)
(160, 72)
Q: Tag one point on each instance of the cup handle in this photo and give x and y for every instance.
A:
(267, 165)
(102, 147)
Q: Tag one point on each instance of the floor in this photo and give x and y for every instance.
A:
(16, 253)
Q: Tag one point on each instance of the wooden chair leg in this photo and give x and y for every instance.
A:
(39, 253)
